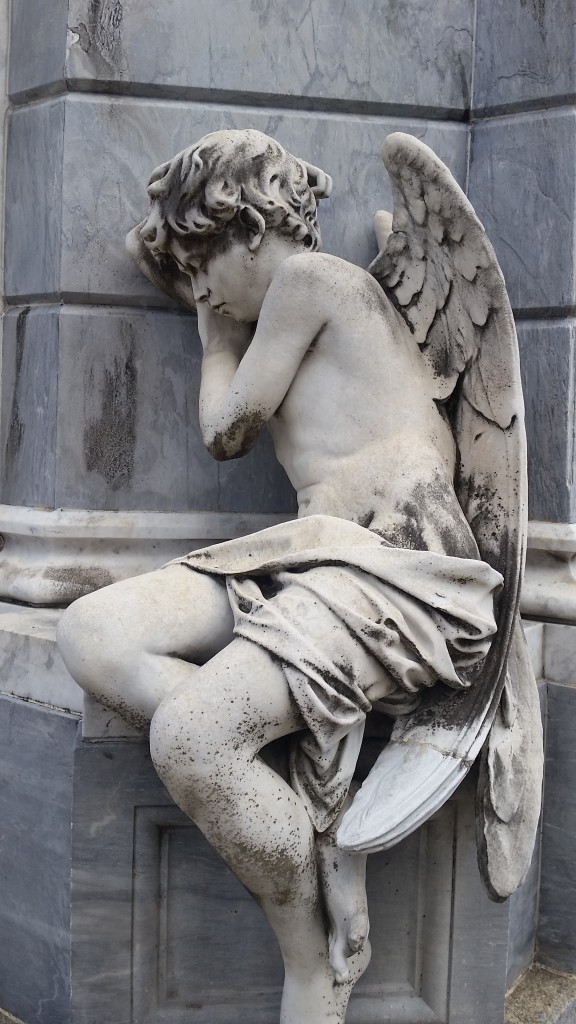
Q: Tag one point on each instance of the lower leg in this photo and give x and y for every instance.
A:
(343, 889)
(204, 741)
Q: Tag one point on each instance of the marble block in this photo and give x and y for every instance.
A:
(159, 924)
(31, 666)
(410, 56)
(33, 232)
(100, 410)
(556, 941)
(524, 54)
(36, 746)
(546, 360)
(522, 187)
(38, 33)
(110, 146)
(560, 654)
(534, 633)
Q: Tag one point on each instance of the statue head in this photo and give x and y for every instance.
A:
(232, 182)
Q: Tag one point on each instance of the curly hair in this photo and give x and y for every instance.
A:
(231, 177)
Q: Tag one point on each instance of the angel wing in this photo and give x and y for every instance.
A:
(440, 271)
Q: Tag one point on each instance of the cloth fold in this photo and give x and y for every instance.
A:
(355, 622)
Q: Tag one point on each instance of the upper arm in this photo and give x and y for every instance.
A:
(290, 320)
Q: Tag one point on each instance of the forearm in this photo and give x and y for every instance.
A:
(221, 420)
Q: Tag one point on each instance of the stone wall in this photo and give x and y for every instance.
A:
(522, 182)
(102, 464)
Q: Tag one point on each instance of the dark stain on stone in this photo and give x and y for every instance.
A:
(83, 34)
(100, 37)
(366, 519)
(83, 579)
(16, 428)
(110, 440)
(537, 10)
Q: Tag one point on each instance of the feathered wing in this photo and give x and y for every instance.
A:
(440, 271)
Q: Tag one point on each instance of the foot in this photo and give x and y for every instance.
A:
(313, 996)
(343, 886)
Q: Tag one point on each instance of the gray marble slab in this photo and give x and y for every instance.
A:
(100, 410)
(37, 47)
(522, 186)
(546, 356)
(524, 53)
(28, 406)
(128, 432)
(396, 55)
(36, 746)
(557, 922)
(112, 145)
(33, 200)
(162, 932)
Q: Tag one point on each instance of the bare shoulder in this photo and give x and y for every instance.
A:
(311, 267)
(318, 275)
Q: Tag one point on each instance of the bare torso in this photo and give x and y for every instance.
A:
(358, 431)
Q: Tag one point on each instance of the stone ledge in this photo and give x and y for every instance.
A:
(549, 590)
(542, 996)
(53, 556)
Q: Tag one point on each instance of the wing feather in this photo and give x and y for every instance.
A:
(440, 271)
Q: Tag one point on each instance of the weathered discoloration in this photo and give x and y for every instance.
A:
(110, 440)
(16, 428)
(537, 9)
(79, 579)
(100, 37)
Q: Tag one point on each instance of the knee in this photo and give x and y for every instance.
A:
(187, 747)
(87, 638)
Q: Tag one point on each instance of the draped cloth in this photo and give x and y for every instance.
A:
(355, 622)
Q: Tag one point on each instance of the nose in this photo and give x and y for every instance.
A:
(200, 289)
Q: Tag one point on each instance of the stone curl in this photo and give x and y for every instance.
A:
(242, 175)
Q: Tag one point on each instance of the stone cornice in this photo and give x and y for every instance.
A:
(53, 556)
(549, 590)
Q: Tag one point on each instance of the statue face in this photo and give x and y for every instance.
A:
(233, 279)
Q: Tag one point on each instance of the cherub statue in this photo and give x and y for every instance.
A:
(394, 403)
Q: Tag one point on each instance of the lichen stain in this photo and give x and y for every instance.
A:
(537, 10)
(110, 439)
(100, 37)
(83, 579)
(16, 428)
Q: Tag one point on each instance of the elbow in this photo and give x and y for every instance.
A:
(220, 451)
(232, 443)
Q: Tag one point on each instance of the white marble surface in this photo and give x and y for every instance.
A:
(549, 588)
(30, 664)
(51, 557)
(534, 633)
(560, 654)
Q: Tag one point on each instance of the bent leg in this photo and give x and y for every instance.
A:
(204, 741)
(131, 643)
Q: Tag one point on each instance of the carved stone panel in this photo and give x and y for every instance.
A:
(162, 932)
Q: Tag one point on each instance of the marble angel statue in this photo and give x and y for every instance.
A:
(394, 402)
